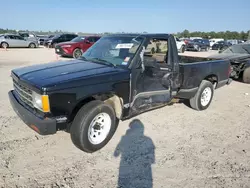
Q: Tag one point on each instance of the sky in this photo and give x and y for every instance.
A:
(153, 16)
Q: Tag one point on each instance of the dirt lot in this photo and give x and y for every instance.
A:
(180, 147)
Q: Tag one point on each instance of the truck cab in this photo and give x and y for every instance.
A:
(115, 79)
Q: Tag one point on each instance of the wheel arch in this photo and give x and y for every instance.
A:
(213, 78)
(109, 98)
(4, 42)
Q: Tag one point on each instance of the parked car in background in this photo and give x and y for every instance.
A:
(76, 46)
(239, 57)
(215, 40)
(181, 45)
(42, 40)
(28, 35)
(234, 41)
(14, 40)
(221, 45)
(51, 42)
(198, 45)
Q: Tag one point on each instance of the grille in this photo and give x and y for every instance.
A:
(24, 93)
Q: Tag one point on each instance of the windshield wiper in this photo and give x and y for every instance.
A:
(102, 61)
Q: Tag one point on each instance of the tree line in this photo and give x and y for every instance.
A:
(243, 35)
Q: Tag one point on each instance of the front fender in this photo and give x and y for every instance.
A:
(63, 102)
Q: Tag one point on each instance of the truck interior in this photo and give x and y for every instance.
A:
(153, 85)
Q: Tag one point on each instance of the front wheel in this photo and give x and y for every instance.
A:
(4, 45)
(182, 50)
(93, 126)
(32, 45)
(203, 96)
(77, 53)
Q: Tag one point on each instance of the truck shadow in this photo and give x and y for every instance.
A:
(137, 153)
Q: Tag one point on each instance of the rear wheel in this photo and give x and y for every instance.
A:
(4, 45)
(246, 75)
(182, 49)
(203, 96)
(93, 126)
(77, 53)
(32, 45)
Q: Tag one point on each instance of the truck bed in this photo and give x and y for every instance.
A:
(193, 70)
(190, 59)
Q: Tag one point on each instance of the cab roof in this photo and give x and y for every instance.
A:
(147, 35)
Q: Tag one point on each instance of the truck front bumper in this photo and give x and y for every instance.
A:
(43, 126)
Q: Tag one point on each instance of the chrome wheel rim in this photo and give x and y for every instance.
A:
(77, 54)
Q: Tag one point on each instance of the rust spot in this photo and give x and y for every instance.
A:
(35, 128)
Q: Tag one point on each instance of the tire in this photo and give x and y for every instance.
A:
(4, 45)
(77, 53)
(80, 129)
(153, 51)
(246, 76)
(197, 102)
(32, 45)
(53, 45)
(182, 50)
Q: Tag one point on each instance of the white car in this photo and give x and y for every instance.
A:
(181, 45)
(213, 41)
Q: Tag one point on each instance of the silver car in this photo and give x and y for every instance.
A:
(12, 40)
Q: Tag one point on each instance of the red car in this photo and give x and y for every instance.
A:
(76, 46)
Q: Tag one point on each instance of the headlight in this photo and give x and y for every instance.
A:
(41, 102)
(66, 46)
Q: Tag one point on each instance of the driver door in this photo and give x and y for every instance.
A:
(152, 86)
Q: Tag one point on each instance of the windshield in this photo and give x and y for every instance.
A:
(241, 49)
(220, 42)
(113, 50)
(78, 39)
(197, 40)
(56, 36)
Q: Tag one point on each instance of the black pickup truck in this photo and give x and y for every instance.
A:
(113, 80)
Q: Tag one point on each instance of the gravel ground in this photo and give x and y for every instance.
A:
(174, 146)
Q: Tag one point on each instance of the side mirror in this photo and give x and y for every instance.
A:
(87, 42)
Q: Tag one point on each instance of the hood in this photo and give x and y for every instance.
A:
(51, 75)
(230, 56)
